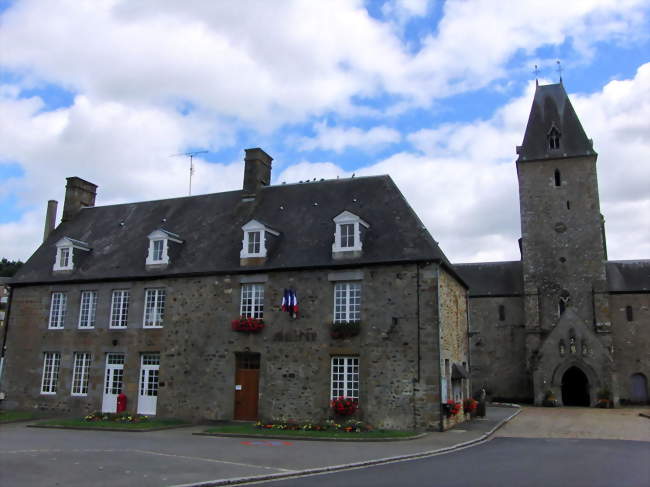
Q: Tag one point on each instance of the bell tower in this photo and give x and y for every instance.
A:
(563, 246)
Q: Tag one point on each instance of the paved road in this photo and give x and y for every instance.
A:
(48, 457)
(521, 462)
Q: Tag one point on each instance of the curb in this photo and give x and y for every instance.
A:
(299, 438)
(119, 430)
(347, 466)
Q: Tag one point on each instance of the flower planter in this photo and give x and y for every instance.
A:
(248, 325)
(345, 330)
(344, 406)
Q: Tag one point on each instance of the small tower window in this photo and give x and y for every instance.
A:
(561, 307)
(568, 205)
(502, 312)
(558, 178)
(629, 313)
(554, 138)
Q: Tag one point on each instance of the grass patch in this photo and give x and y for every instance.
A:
(11, 416)
(109, 424)
(250, 429)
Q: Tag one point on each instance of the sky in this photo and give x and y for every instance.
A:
(435, 94)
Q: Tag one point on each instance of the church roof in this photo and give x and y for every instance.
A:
(628, 276)
(552, 109)
(492, 278)
(211, 228)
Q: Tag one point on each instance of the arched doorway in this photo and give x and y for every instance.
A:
(575, 388)
(639, 389)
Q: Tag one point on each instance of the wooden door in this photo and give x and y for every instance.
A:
(247, 387)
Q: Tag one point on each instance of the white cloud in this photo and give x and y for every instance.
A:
(462, 182)
(284, 62)
(340, 138)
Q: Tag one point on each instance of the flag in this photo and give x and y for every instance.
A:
(290, 302)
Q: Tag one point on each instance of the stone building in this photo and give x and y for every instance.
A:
(563, 322)
(146, 299)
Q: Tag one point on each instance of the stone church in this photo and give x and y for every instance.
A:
(563, 323)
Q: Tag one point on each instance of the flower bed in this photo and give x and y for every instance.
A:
(118, 418)
(345, 330)
(347, 426)
(344, 406)
(248, 325)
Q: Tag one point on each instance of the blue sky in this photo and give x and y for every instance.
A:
(436, 94)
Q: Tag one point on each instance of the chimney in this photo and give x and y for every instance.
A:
(257, 171)
(78, 194)
(50, 218)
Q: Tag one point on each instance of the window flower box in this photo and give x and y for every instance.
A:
(345, 330)
(248, 325)
(345, 406)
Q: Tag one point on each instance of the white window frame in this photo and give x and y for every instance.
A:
(251, 304)
(80, 373)
(65, 251)
(51, 367)
(154, 308)
(252, 228)
(154, 257)
(347, 302)
(119, 309)
(344, 377)
(348, 218)
(87, 309)
(58, 306)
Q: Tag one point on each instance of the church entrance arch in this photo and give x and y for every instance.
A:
(575, 388)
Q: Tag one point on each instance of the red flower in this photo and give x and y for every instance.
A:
(248, 324)
(344, 406)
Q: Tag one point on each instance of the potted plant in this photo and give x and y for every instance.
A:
(247, 324)
(603, 399)
(470, 405)
(550, 401)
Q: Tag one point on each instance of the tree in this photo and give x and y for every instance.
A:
(9, 267)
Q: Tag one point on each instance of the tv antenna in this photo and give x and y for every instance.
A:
(191, 155)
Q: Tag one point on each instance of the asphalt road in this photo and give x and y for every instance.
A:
(518, 462)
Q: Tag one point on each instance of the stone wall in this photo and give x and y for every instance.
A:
(498, 349)
(397, 346)
(454, 335)
(631, 339)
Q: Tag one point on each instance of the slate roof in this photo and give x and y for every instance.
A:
(628, 276)
(492, 278)
(551, 107)
(210, 227)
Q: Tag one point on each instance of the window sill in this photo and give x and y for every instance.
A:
(55, 328)
(48, 393)
(152, 326)
(117, 327)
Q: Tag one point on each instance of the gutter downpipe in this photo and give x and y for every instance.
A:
(469, 355)
(439, 346)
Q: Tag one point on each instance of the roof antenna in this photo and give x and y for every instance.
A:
(191, 155)
(559, 69)
(536, 71)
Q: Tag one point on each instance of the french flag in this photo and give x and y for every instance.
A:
(290, 302)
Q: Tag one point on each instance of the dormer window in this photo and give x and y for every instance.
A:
(554, 138)
(347, 235)
(158, 253)
(64, 253)
(254, 242)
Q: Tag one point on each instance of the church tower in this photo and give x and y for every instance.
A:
(568, 343)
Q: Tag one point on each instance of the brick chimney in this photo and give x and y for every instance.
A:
(50, 218)
(257, 171)
(78, 194)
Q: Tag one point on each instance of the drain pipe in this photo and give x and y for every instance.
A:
(438, 320)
